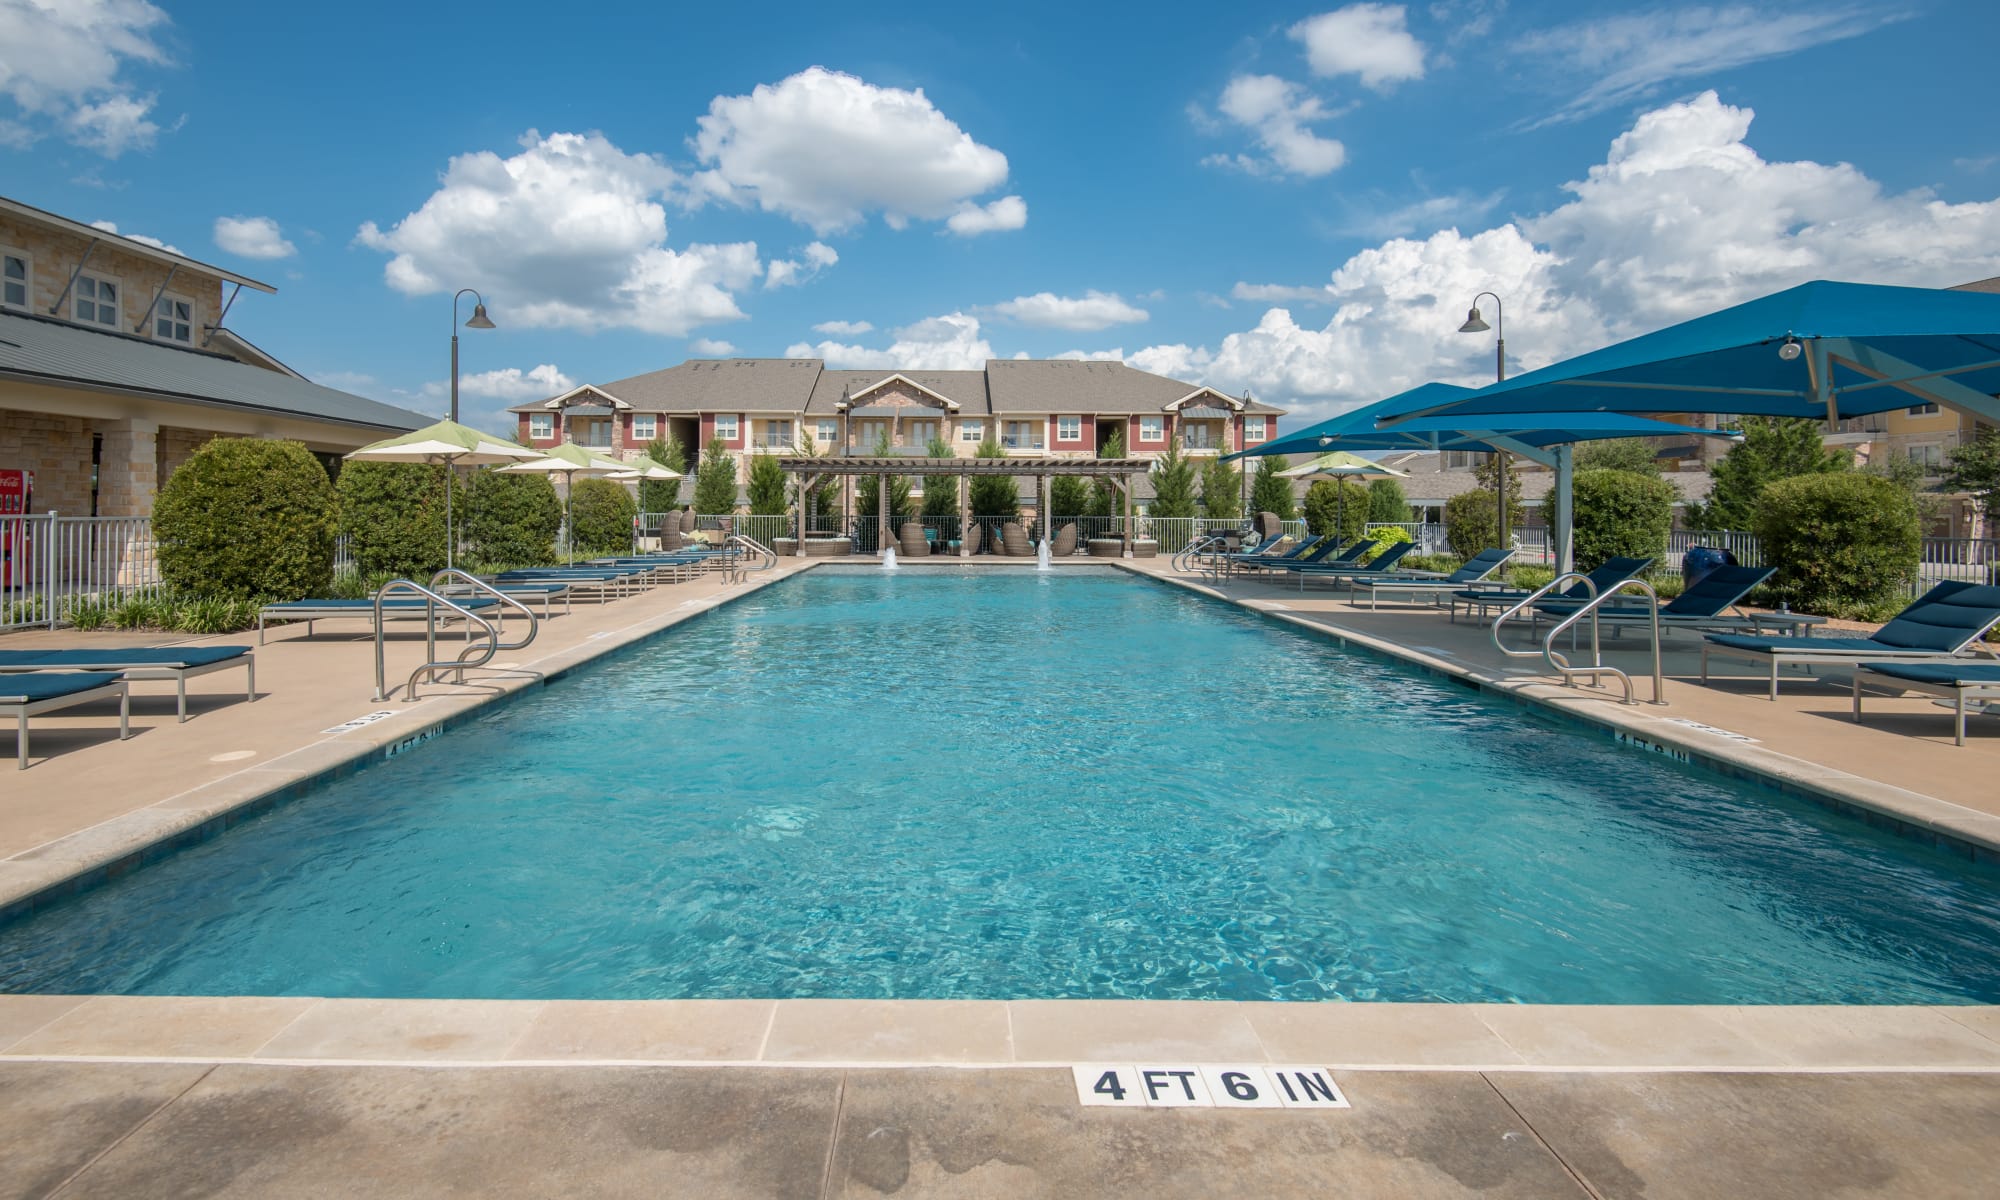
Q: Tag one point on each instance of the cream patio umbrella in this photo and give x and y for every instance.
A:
(1342, 465)
(448, 443)
(570, 460)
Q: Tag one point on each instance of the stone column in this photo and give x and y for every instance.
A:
(128, 468)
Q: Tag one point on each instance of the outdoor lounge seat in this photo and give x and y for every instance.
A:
(911, 542)
(1939, 624)
(1014, 541)
(1308, 550)
(24, 696)
(395, 609)
(1394, 587)
(1963, 683)
(1705, 605)
(973, 533)
(1065, 543)
(1380, 565)
(139, 662)
(1609, 574)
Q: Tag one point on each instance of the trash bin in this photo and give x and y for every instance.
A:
(1700, 560)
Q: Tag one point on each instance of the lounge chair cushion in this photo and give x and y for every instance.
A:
(138, 656)
(1818, 645)
(1944, 618)
(31, 689)
(1949, 674)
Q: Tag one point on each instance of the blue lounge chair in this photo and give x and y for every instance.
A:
(1379, 565)
(1268, 552)
(24, 696)
(138, 662)
(1414, 584)
(1611, 573)
(1705, 606)
(1939, 624)
(1311, 551)
(397, 609)
(1964, 684)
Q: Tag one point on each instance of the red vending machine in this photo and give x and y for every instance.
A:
(17, 493)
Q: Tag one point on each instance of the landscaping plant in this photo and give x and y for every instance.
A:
(1270, 493)
(1845, 544)
(1621, 514)
(715, 481)
(600, 514)
(248, 518)
(1772, 448)
(394, 515)
(512, 518)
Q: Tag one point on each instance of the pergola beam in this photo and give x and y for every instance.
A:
(1091, 467)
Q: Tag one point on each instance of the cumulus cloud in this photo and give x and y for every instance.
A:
(1630, 56)
(568, 233)
(1277, 113)
(844, 328)
(711, 348)
(785, 272)
(1682, 217)
(971, 220)
(828, 149)
(142, 239)
(1088, 313)
(1278, 293)
(252, 237)
(948, 343)
(509, 385)
(60, 67)
(1368, 40)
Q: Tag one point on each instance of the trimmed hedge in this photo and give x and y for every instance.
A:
(248, 518)
(1324, 504)
(1471, 521)
(1845, 545)
(393, 516)
(513, 518)
(1621, 514)
(601, 513)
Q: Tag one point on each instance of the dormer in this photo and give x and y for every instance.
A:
(1206, 402)
(856, 401)
(588, 396)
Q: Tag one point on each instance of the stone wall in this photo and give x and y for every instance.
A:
(54, 255)
(174, 446)
(57, 449)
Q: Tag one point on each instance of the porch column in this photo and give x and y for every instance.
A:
(964, 517)
(1125, 484)
(128, 467)
(799, 516)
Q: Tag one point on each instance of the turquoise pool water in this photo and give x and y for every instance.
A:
(929, 784)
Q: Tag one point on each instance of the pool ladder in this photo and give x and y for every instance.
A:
(751, 555)
(1200, 554)
(433, 665)
(1597, 668)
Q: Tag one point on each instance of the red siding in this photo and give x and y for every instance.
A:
(1090, 433)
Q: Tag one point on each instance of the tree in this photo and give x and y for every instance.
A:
(1621, 514)
(1268, 492)
(994, 495)
(601, 515)
(1910, 475)
(868, 493)
(1344, 500)
(512, 519)
(767, 486)
(1069, 497)
(1974, 467)
(669, 453)
(1173, 484)
(1222, 490)
(1106, 500)
(821, 503)
(1386, 504)
(247, 518)
(1618, 454)
(393, 516)
(663, 495)
(715, 481)
(1772, 448)
(940, 491)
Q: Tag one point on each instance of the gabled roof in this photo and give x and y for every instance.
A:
(717, 385)
(966, 390)
(1063, 385)
(60, 354)
(857, 394)
(1208, 397)
(238, 347)
(585, 394)
(126, 245)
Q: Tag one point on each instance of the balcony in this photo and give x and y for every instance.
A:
(1020, 443)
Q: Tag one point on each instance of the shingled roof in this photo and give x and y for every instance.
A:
(967, 388)
(715, 385)
(1063, 385)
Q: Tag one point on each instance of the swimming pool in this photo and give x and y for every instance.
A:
(979, 783)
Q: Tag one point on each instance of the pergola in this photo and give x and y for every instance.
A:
(810, 472)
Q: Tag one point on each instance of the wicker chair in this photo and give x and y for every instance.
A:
(914, 544)
(687, 519)
(1268, 525)
(1014, 541)
(1065, 543)
(972, 536)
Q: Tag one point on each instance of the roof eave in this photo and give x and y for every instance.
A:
(129, 246)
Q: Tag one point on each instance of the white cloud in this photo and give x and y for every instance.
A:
(60, 64)
(947, 343)
(252, 237)
(785, 272)
(142, 239)
(568, 233)
(1424, 216)
(843, 328)
(1278, 293)
(1088, 313)
(1369, 40)
(971, 220)
(827, 149)
(509, 385)
(1113, 355)
(1277, 112)
(1681, 218)
(711, 348)
(1630, 56)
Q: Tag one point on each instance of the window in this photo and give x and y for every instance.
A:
(541, 426)
(972, 431)
(1916, 410)
(829, 431)
(1069, 429)
(1929, 455)
(16, 274)
(1152, 429)
(173, 319)
(1253, 431)
(645, 427)
(96, 301)
(921, 433)
(725, 427)
(777, 435)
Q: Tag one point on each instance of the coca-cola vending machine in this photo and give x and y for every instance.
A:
(17, 493)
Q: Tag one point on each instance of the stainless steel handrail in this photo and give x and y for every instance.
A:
(1198, 552)
(432, 663)
(1556, 659)
(480, 585)
(764, 557)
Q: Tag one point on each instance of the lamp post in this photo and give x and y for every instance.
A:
(478, 320)
(1474, 323)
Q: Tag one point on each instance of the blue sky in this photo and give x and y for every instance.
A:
(1298, 202)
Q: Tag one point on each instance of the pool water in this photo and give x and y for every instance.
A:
(942, 783)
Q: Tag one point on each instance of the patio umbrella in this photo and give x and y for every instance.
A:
(570, 460)
(1341, 465)
(1545, 438)
(449, 443)
(1823, 350)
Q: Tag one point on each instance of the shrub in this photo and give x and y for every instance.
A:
(663, 495)
(940, 491)
(1386, 502)
(1772, 448)
(248, 518)
(994, 495)
(393, 515)
(512, 518)
(1471, 524)
(715, 481)
(1328, 499)
(1621, 514)
(1269, 492)
(1845, 544)
(600, 514)
(1385, 536)
(767, 486)
(1174, 480)
(1222, 490)
(1069, 497)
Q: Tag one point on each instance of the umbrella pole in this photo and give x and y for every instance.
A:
(450, 477)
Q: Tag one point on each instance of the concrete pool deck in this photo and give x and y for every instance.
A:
(1899, 1099)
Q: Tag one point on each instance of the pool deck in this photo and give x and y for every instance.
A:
(273, 1096)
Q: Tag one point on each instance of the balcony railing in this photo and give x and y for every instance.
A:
(1022, 443)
